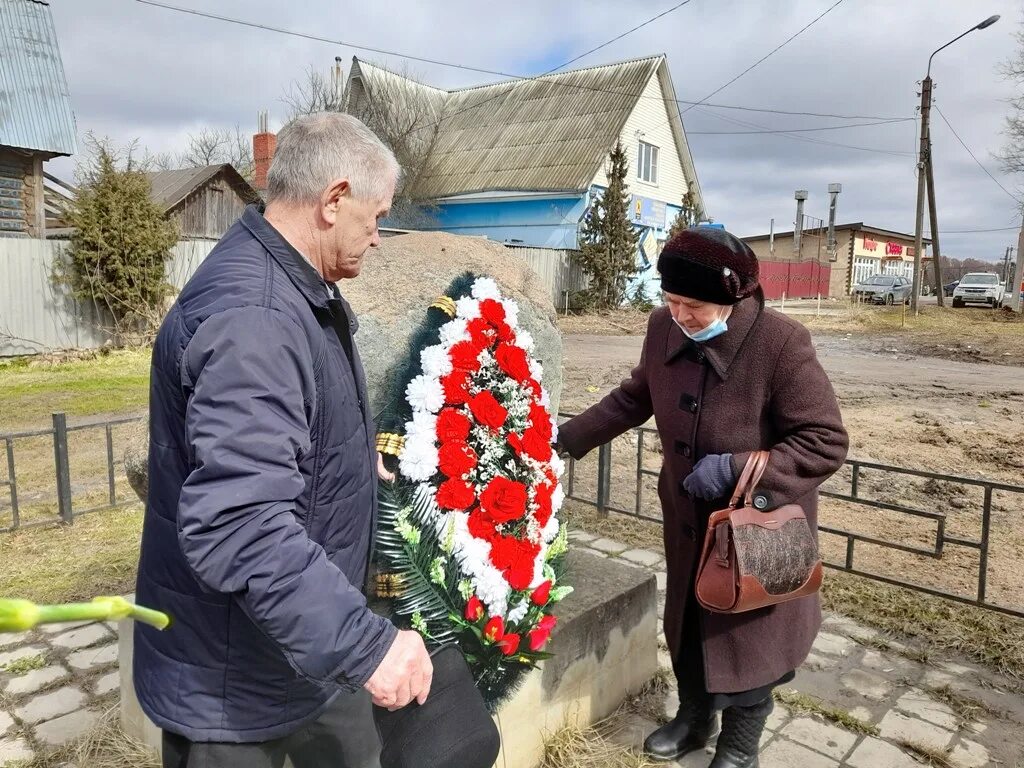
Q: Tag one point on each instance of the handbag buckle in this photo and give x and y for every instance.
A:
(722, 544)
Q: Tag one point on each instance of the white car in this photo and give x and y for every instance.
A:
(979, 288)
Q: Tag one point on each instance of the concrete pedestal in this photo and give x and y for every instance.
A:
(605, 648)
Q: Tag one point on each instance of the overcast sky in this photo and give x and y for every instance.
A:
(137, 71)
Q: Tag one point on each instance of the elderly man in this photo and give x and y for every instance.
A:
(261, 512)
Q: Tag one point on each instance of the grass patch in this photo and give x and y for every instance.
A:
(801, 702)
(649, 701)
(945, 321)
(98, 555)
(24, 666)
(967, 708)
(33, 388)
(929, 755)
(987, 637)
(105, 746)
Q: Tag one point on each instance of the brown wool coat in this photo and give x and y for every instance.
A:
(757, 386)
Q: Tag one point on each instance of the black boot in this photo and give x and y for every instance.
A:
(740, 740)
(694, 725)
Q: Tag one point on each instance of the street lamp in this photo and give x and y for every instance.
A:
(925, 173)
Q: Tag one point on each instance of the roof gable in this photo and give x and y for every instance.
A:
(37, 105)
(545, 134)
(171, 187)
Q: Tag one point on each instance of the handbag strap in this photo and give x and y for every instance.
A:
(760, 459)
(744, 482)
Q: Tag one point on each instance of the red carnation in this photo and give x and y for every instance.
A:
(456, 459)
(452, 426)
(512, 360)
(541, 594)
(464, 357)
(456, 388)
(481, 526)
(503, 500)
(516, 442)
(515, 559)
(542, 498)
(492, 312)
(494, 629)
(488, 411)
(505, 333)
(540, 420)
(474, 609)
(455, 494)
(509, 644)
(538, 639)
(481, 333)
(536, 445)
(547, 622)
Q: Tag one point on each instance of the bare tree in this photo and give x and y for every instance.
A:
(401, 111)
(1012, 154)
(314, 93)
(212, 146)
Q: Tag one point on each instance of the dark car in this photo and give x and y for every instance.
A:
(948, 288)
(884, 289)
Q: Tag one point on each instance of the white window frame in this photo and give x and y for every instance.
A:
(647, 163)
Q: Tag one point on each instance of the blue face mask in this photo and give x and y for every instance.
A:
(716, 328)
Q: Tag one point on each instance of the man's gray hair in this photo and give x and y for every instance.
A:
(315, 150)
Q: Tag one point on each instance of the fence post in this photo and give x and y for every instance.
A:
(63, 469)
(604, 477)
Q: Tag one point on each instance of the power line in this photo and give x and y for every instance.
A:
(974, 231)
(809, 139)
(975, 159)
(499, 73)
(766, 56)
(797, 130)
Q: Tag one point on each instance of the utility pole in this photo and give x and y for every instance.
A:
(833, 191)
(926, 93)
(800, 195)
(1018, 275)
(924, 174)
(1006, 262)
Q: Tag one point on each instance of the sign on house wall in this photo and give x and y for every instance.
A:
(879, 248)
(648, 212)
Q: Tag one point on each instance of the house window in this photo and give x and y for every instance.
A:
(647, 163)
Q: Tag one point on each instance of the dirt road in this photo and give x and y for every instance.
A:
(919, 413)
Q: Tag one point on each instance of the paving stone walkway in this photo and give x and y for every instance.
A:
(73, 680)
(856, 670)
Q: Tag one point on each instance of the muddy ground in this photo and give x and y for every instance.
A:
(906, 410)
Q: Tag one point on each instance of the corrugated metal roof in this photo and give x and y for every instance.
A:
(545, 134)
(35, 105)
(171, 187)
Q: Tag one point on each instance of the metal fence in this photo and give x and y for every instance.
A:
(845, 488)
(63, 498)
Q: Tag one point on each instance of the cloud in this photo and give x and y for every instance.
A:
(137, 71)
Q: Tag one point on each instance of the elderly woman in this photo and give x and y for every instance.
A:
(723, 376)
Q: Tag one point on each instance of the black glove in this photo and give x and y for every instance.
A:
(712, 477)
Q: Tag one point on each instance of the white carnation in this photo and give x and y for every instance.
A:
(536, 370)
(545, 398)
(557, 499)
(467, 308)
(557, 465)
(485, 288)
(419, 460)
(554, 429)
(551, 529)
(511, 313)
(518, 613)
(425, 394)
(423, 425)
(525, 340)
(454, 332)
(435, 361)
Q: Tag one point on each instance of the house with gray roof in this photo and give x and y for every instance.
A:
(36, 121)
(520, 161)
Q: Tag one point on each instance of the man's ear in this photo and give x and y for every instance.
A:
(333, 198)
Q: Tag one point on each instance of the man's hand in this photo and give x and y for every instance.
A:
(382, 471)
(404, 674)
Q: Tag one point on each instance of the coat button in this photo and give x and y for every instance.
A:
(688, 403)
(683, 449)
(761, 502)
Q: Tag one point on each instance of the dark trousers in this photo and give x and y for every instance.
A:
(344, 736)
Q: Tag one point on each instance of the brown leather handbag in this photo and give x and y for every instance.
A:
(752, 559)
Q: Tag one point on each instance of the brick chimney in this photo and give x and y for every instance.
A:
(263, 145)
